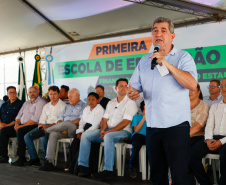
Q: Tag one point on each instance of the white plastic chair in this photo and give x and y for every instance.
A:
(142, 159)
(64, 141)
(213, 159)
(14, 146)
(118, 158)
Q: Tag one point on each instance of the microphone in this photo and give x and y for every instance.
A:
(153, 62)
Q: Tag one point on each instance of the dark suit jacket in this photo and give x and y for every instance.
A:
(104, 102)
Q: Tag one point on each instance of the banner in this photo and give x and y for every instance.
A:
(84, 65)
(210, 62)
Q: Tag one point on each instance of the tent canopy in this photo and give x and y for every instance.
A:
(30, 23)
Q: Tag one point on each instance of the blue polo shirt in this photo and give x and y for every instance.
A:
(167, 103)
(9, 111)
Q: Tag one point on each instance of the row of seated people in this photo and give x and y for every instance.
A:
(82, 122)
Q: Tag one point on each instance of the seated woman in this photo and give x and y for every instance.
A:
(199, 115)
(90, 120)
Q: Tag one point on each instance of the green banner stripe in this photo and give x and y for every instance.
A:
(97, 67)
(206, 58)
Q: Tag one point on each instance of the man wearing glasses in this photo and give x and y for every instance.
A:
(102, 100)
(8, 113)
(214, 90)
(215, 141)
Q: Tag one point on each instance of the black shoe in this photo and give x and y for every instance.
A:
(38, 134)
(47, 166)
(4, 159)
(19, 162)
(84, 171)
(105, 175)
(35, 162)
(133, 172)
(127, 140)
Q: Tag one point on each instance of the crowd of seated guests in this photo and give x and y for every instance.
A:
(107, 121)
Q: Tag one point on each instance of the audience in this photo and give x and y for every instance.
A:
(103, 101)
(114, 126)
(8, 113)
(214, 90)
(215, 141)
(64, 94)
(26, 120)
(66, 125)
(48, 118)
(90, 124)
(90, 120)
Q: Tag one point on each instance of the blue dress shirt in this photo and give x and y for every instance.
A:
(167, 103)
(71, 112)
(9, 111)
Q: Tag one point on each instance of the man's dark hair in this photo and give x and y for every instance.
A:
(11, 87)
(142, 104)
(217, 81)
(54, 88)
(164, 19)
(65, 87)
(94, 94)
(5, 98)
(121, 79)
(199, 89)
(100, 86)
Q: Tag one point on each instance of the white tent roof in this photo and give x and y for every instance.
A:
(26, 24)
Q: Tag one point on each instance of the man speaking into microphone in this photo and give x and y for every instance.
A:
(166, 95)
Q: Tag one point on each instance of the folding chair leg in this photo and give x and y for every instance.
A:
(100, 159)
(65, 152)
(56, 155)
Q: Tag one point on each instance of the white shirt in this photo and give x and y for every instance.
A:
(51, 112)
(93, 117)
(117, 112)
(216, 123)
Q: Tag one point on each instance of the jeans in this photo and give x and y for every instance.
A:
(109, 146)
(169, 147)
(30, 144)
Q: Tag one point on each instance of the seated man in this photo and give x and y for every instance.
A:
(26, 120)
(115, 125)
(8, 113)
(103, 101)
(215, 141)
(214, 90)
(48, 118)
(66, 125)
(64, 94)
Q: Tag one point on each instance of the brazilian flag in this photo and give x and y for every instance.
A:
(37, 77)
